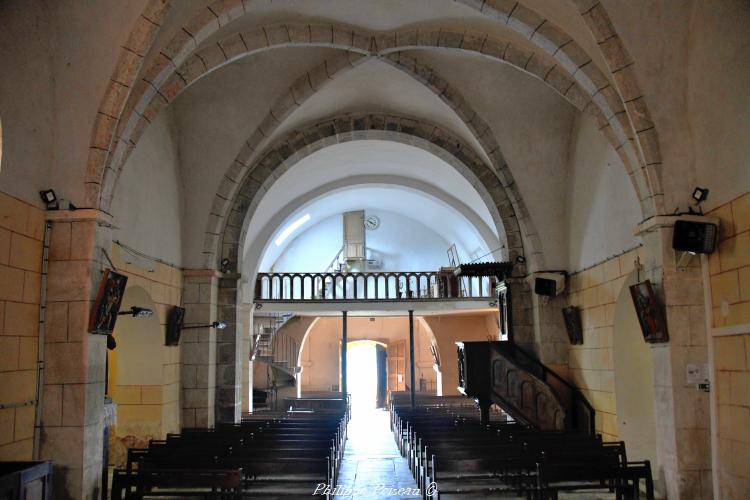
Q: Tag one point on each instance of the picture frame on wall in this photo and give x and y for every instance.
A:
(573, 325)
(504, 311)
(650, 312)
(174, 326)
(107, 304)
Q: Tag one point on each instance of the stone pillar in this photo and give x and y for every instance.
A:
(522, 314)
(229, 352)
(550, 338)
(682, 411)
(245, 327)
(74, 359)
(198, 370)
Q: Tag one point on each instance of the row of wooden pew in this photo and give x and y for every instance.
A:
(453, 455)
(270, 455)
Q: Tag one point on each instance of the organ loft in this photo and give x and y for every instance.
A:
(374, 249)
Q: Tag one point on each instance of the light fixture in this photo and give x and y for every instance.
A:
(219, 325)
(137, 312)
(520, 259)
(225, 265)
(290, 229)
(700, 195)
(49, 198)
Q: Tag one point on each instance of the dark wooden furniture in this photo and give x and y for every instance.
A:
(25, 480)
(453, 454)
(268, 454)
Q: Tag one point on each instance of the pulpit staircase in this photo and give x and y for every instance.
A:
(504, 374)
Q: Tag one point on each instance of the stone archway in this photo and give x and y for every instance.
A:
(295, 146)
(568, 71)
(303, 88)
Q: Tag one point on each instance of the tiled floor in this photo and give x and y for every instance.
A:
(372, 466)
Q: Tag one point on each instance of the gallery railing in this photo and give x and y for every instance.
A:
(376, 286)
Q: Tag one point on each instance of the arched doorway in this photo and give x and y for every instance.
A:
(634, 391)
(366, 374)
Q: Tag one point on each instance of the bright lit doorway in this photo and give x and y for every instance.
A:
(363, 372)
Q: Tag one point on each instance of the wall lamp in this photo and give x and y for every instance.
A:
(225, 263)
(137, 312)
(49, 198)
(219, 325)
(700, 195)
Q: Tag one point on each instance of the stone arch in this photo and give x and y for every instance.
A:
(287, 151)
(570, 72)
(297, 145)
(117, 91)
(303, 88)
(257, 248)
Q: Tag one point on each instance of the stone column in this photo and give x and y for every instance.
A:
(229, 349)
(682, 411)
(74, 359)
(245, 327)
(198, 363)
(521, 313)
(550, 337)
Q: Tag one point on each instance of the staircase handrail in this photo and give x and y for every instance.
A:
(542, 372)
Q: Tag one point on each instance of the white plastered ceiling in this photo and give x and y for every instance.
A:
(532, 124)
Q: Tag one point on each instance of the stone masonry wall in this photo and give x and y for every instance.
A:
(21, 235)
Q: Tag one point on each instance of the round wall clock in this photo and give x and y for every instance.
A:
(372, 222)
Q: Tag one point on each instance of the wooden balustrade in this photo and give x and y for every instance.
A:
(371, 286)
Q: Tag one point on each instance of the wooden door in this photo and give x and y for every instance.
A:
(382, 362)
(397, 366)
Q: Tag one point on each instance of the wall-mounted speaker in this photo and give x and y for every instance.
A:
(549, 284)
(694, 237)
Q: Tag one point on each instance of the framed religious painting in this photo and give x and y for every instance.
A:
(572, 318)
(107, 305)
(650, 312)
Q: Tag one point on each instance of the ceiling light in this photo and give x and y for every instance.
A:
(290, 229)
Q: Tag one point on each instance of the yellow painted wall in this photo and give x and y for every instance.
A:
(729, 269)
(148, 410)
(320, 353)
(21, 235)
(730, 265)
(591, 365)
(450, 328)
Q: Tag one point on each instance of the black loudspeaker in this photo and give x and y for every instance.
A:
(545, 287)
(694, 237)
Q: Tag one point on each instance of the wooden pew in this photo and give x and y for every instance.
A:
(507, 459)
(281, 455)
